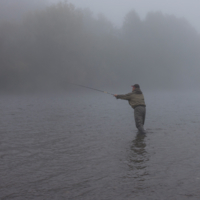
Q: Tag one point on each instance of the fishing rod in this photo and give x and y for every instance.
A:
(91, 88)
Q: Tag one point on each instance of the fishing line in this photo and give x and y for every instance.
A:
(91, 88)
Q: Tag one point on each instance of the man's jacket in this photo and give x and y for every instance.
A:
(134, 98)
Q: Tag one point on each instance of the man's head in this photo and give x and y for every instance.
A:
(135, 86)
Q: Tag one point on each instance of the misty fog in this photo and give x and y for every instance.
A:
(57, 44)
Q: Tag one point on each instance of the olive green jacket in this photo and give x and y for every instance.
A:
(134, 98)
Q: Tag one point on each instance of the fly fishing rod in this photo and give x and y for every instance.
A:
(91, 88)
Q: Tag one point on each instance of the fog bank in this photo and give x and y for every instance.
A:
(61, 43)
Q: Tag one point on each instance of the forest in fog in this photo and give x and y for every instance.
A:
(58, 44)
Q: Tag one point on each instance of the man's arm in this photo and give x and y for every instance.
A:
(123, 96)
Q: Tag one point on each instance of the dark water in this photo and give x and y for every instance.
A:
(86, 146)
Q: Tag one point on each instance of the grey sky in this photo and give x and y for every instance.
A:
(115, 10)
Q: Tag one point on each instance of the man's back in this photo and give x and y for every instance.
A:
(135, 98)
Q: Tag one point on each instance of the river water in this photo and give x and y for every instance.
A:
(84, 146)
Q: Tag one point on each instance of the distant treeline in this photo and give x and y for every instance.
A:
(65, 44)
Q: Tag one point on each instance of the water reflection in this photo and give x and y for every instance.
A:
(138, 158)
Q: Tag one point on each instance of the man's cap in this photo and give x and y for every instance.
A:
(136, 86)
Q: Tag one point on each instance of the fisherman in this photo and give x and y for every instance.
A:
(136, 101)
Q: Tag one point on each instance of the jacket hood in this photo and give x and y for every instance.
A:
(137, 91)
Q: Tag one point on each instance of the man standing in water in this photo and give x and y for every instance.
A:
(136, 101)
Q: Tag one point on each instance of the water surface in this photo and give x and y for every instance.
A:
(85, 146)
